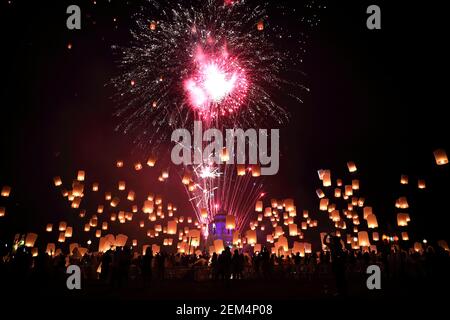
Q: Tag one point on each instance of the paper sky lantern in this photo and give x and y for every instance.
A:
(151, 161)
(348, 191)
(402, 219)
(402, 203)
(240, 169)
(119, 163)
(375, 236)
(30, 239)
(72, 247)
(260, 25)
(355, 184)
(372, 222)
(288, 204)
(421, 184)
(138, 166)
(351, 166)
(165, 174)
(259, 206)
(50, 249)
(61, 237)
(114, 203)
(230, 222)
(172, 227)
(122, 185)
(256, 170)
(404, 179)
(293, 230)
(57, 181)
(268, 212)
(326, 178)
(204, 213)
(405, 236)
(320, 193)
(95, 186)
(363, 239)
(337, 193)
(323, 206)
(108, 196)
(49, 227)
(251, 237)
(68, 233)
(186, 178)
(148, 206)
(224, 155)
(62, 226)
(100, 207)
(441, 157)
(81, 175)
(87, 227)
(2, 211)
(367, 211)
(104, 225)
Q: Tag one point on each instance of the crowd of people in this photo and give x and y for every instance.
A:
(118, 266)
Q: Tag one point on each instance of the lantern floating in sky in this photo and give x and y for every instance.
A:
(256, 170)
(323, 206)
(61, 237)
(404, 179)
(230, 222)
(355, 184)
(441, 157)
(224, 155)
(108, 196)
(131, 196)
(326, 179)
(293, 231)
(151, 161)
(6, 190)
(240, 169)
(421, 184)
(152, 26)
(57, 181)
(81, 175)
(95, 186)
(172, 227)
(114, 203)
(30, 239)
(138, 166)
(68, 233)
(119, 164)
(2, 211)
(405, 236)
(372, 222)
(443, 244)
(402, 203)
(402, 219)
(320, 193)
(259, 206)
(351, 166)
(363, 239)
(122, 185)
(289, 205)
(62, 226)
(260, 25)
(375, 236)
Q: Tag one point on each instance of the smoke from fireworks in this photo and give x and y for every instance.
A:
(221, 61)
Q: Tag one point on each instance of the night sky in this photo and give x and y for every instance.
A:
(377, 98)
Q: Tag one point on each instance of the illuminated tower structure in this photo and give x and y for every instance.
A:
(218, 230)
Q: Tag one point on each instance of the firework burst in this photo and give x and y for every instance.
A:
(225, 62)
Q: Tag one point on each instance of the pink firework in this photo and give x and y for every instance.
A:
(218, 85)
